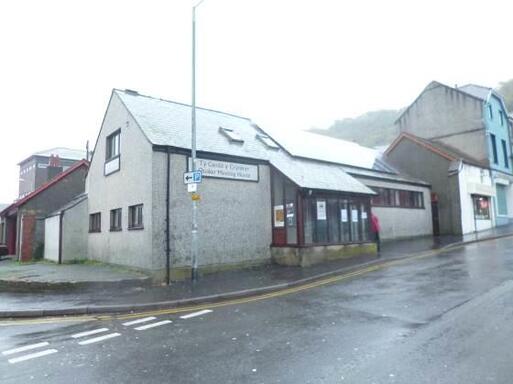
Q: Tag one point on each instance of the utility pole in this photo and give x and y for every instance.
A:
(194, 237)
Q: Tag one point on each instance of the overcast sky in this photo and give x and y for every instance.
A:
(288, 65)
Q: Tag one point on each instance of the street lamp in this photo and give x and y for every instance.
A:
(194, 239)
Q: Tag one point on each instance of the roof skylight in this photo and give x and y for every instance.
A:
(231, 134)
(267, 141)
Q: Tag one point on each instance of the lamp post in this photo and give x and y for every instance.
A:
(194, 237)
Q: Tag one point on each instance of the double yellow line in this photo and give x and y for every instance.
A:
(244, 300)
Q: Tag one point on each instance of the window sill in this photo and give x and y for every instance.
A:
(135, 228)
(115, 229)
(95, 231)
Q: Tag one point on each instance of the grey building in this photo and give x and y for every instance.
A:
(473, 121)
(402, 203)
(43, 166)
(462, 186)
(259, 203)
(24, 219)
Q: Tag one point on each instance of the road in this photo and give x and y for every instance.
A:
(447, 318)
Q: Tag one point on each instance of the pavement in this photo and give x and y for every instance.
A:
(116, 290)
(445, 319)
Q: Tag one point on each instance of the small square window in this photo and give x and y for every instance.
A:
(115, 220)
(135, 217)
(231, 134)
(95, 222)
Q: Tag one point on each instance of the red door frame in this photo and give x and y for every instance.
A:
(11, 234)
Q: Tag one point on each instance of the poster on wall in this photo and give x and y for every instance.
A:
(279, 216)
(343, 215)
(354, 215)
(321, 209)
(364, 215)
(291, 222)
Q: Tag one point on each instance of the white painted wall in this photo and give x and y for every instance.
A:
(131, 185)
(52, 238)
(399, 223)
(474, 180)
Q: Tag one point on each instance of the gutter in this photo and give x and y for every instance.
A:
(61, 217)
(168, 250)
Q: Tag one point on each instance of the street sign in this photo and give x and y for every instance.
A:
(192, 177)
(192, 187)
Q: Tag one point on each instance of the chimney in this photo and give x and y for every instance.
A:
(54, 167)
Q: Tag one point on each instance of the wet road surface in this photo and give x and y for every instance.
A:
(443, 319)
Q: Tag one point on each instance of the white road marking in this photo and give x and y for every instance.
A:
(25, 348)
(100, 338)
(194, 314)
(138, 321)
(152, 325)
(32, 356)
(89, 333)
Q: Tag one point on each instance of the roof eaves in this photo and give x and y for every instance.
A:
(48, 184)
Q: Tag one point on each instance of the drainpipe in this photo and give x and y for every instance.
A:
(168, 250)
(61, 217)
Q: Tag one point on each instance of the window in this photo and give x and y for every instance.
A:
(490, 112)
(95, 222)
(267, 141)
(481, 207)
(388, 197)
(113, 145)
(335, 220)
(494, 149)
(501, 115)
(135, 217)
(231, 134)
(505, 153)
(115, 220)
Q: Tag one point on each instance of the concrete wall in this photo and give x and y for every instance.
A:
(75, 225)
(52, 238)
(234, 220)
(131, 185)
(450, 117)
(403, 222)
(423, 164)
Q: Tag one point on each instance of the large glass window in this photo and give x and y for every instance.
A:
(321, 222)
(290, 213)
(336, 220)
(345, 230)
(355, 222)
(333, 221)
(481, 207)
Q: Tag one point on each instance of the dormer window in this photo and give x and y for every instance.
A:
(267, 141)
(233, 136)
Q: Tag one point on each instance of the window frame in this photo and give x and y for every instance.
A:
(108, 146)
(95, 226)
(397, 198)
(232, 135)
(116, 215)
(505, 153)
(493, 141)
(475, 199)
(139, 216)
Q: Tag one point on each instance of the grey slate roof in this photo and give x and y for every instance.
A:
(167, 123)
(3, 206)
(76, 200)
(476, 90)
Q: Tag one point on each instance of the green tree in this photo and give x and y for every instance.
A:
(506, 90)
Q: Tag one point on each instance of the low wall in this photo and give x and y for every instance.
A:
(307, 256)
